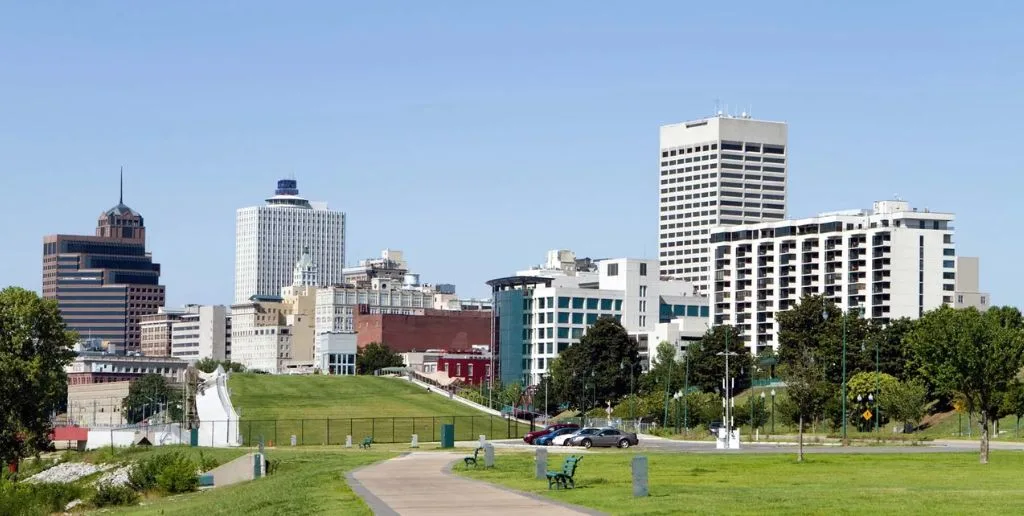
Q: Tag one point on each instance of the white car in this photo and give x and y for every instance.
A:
(565, 439)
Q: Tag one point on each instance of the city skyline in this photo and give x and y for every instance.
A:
(423, 154)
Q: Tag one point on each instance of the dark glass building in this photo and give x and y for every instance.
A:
(104, 283)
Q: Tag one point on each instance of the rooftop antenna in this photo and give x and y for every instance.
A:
(120, 196)
(718, 107)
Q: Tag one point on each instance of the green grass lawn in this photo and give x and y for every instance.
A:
(308, 481)
(944, 483)
(324, 409)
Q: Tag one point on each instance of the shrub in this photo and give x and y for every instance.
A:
(111, 495)
(19, 499)
(143, 476)
(179, 476)
(207, 463)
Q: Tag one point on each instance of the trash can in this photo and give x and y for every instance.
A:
(193, 437)
(447, 436)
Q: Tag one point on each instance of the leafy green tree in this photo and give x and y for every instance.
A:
(1013, 402)
(893, 353)
(808, 388)
(591, 371)
(865, 385)
(815, 327)
(977, 355)
(707, 367)
(149, 395)
(375, 356)
(209, 365)
(906, 401)
(35, 345)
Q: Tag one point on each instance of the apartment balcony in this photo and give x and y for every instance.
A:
(742, 295)
(723, 297)
(880, 251)
(765, 283)
(721, 275)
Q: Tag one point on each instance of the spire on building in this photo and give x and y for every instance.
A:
(120, 194)
(305, 273)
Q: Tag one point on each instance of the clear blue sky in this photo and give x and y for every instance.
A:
(476, 137)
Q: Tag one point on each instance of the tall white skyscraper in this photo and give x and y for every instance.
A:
(269, 239)
(718, 171)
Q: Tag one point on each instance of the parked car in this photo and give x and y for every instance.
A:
(566, 439)
(606, 437)
(545, 440)
(550, 428)
(714, 426)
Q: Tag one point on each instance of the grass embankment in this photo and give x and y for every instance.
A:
(324, 409)
(307, 481)
(772, 484)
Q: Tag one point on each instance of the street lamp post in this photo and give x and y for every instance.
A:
(547, 380)
(762, 406)
(675, 398)
(773, 411)
(878, 415)
(728, 391)
(686, 391)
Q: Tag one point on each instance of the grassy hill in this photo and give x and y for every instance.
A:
(324, 409)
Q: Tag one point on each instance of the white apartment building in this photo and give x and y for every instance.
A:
(540, 315)
(270, 238)
(202, 331)
(892, 261)
(716, 171)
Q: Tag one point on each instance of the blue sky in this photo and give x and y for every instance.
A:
(476, 137)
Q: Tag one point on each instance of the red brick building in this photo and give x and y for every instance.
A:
(471, 368)
(435, 329)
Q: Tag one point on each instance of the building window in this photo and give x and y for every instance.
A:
(960, 299)
(613, 269)
(982, 300)
(458, 369)
(643, 269)
(563, 302)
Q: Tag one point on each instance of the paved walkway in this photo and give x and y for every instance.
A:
(421, 484)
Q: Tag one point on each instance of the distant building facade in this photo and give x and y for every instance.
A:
(469, 368)
(433, 329)
(968, 291)
(105, 283)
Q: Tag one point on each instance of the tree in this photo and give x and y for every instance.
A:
(893, 352)
(591, 371)
(870, 384)
(35, 345)
(964, 351)
(905, 401)
(666, 373)
(1013, 402)
(807, 389)
(149, 395)
(707, 367)
(375, 356)
(209, 365)
(815, 326)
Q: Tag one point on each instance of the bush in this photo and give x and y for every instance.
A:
(179, 476)
(112, 495)
(143, 476)
(18, 499)
(207, 463)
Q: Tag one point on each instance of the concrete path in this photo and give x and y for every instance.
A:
(422, 484)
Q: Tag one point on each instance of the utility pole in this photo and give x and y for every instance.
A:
(727, 385)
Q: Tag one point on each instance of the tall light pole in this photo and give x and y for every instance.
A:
(728, 390)
(547, 380)
(773, 411)
(878, 393)
(844, 378)
(762, 405)
(686, 391)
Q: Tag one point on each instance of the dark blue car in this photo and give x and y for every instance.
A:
(545, 440)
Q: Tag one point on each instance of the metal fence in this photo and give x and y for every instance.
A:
(382, 429)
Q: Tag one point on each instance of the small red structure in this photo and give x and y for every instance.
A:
(471, 368)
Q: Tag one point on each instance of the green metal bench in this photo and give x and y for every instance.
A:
(473, 460)
(366, 443)
(564, 478)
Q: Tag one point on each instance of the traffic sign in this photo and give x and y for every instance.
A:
(867, 414)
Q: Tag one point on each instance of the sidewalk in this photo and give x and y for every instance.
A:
(421, 484)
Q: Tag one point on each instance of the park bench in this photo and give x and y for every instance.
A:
(473, 460)
(564, 477)
(366, 442)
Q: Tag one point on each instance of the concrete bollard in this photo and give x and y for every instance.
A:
(348, 441)
(639, 476)
(483, 440)
(415, 440)
(295, 440)
(542, 463)
(488, 455)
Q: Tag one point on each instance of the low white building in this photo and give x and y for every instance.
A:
(335, 353)
(891, 261)
(261, 338)
(202, 331)
(542, 311)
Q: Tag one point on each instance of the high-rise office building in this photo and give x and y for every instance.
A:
(104, 283)
(716, 171)
(270, 238)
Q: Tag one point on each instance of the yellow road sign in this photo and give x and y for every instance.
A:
(867, 415)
